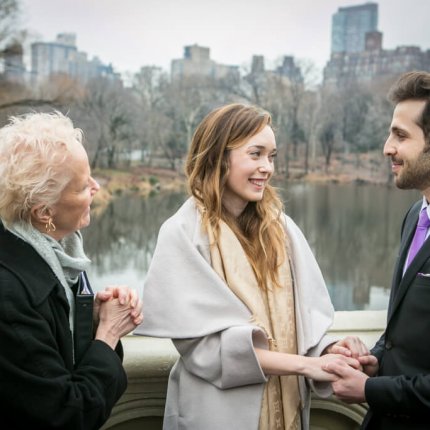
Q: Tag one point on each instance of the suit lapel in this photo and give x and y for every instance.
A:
(400, 282)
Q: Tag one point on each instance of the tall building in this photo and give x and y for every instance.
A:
(350, 26)
(290, 69)
(48, 58)
(197, 62)
(62, 56)
(371, 64)
(357, 52)
(257, 65)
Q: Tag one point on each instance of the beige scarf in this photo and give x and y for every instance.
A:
(273, 311)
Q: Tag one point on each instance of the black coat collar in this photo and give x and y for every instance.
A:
(27, 265)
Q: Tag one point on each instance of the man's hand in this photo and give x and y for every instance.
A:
(370, 364)
(350, 383)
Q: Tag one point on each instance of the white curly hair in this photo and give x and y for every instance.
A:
(33, 162)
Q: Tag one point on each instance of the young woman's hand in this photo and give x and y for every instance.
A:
(278, 363)
(313, 366)
(350, 346)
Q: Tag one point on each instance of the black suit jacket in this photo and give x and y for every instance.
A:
(40, 385)
(399, 396)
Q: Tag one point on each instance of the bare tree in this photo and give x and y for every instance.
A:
(59, 92)
(150, 88)
(329, 124)
(308, 120)
(106, 108)
(328, 141)
(249, 85)
(277, 104)
(187, 101)
(149, 84)
(9, 13)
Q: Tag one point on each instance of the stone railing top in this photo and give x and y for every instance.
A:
(158, 355)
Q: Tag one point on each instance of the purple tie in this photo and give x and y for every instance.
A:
(419, 236)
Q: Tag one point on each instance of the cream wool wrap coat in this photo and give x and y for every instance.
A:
(217, 383)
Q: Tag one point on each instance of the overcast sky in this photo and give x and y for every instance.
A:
(133, 33)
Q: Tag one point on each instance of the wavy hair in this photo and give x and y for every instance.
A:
(259, 228)
(33, 152)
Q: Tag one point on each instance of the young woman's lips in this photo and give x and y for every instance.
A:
(258, 182)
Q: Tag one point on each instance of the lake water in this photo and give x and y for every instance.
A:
(353, 230)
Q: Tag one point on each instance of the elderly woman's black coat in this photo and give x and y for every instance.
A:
(40, 388)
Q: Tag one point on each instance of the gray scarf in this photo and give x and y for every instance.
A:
(66, 257)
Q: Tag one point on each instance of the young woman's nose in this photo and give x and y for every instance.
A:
(266, 166)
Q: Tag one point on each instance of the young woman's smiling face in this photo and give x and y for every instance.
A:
(250, 168)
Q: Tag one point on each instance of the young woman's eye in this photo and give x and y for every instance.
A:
(272, 156)
(255, 153)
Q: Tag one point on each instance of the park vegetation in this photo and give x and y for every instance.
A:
(150, 122)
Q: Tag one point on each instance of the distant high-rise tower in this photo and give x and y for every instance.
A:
(350, 26)
(257, 66)
(54, 57)
(63, 57)
(197, 62)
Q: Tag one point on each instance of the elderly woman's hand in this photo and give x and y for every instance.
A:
(124, 295)
(118, 317)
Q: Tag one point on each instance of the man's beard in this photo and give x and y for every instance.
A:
(415, 174)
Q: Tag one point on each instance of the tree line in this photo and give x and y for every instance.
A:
(151, 121)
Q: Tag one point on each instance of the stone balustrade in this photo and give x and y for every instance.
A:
(148, 362)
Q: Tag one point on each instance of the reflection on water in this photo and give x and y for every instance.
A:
(121, 241)
(353, 230)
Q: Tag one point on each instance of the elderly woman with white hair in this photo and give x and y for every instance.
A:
(60, 351)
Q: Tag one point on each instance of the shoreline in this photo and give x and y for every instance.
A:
(144, 181)
(141, 181)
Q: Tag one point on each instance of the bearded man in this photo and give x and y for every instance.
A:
(396, 378)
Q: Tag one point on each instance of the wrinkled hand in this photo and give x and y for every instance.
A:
(316, 366)
(350, 346)
(349, 383)
(117, 320)
(124, 295)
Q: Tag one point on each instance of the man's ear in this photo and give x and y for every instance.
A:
(41, 214)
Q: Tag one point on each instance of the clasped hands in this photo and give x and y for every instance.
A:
(349, 376)
(117, 311)
(122, 296)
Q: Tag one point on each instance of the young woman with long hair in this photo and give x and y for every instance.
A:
(235, 285)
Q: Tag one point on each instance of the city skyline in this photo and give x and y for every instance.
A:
(156, 32)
